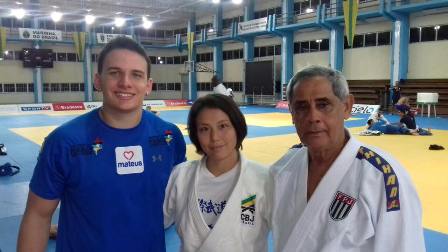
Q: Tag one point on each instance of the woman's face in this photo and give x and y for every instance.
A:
(216, 134)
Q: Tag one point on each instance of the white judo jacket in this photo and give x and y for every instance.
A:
(365, 202)
(241, 227)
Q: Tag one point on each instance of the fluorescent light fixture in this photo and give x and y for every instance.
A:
(90, 19)
(161, 62)
(437, 27)
(56, 16)
(158, 58)
(18, 3)
(146, 23)
(216, 1)
(18, 13)
(318, 40)
(237, 1)
(309, 10)
(113, 28)
(119, 22)
(211, 30)
(6, 52)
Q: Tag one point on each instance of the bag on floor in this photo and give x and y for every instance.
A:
(8, 170)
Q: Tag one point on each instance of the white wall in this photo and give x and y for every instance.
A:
(428, 60)
(367, 63)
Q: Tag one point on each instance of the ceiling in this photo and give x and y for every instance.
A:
(165, 12)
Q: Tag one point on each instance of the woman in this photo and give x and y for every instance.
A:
(218, 203)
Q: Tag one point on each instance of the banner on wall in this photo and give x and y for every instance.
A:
(79, 39)
(2, 40)
(255, 25)
(350, 16)
(170, 103)
(104, 38)
(68, 106)
(190, 44)
(40, 34)
(35, 107)
(364, 108)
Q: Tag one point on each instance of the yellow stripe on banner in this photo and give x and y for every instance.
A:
(350, 16)
(190, 40)
(79, 39)
(2, 40)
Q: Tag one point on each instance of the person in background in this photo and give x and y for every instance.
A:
(334, 193)
(218, 203)
(108, 168)
(219, 88)
(396, 93)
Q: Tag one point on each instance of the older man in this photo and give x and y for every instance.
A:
(333, 193)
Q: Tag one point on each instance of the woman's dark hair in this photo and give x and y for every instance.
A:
(226, 105)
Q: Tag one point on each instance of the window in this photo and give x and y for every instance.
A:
(160, 34)
(383, 38)
(358, 41)
(71, 57)
(263, 51)
(70, 27)
(278, 49)
(74, 87)
(270, 50)
(428, 34)
(170, 86)
(304, 46)
(442, 33)
(296, 47)
(7, 22)
(370, 39)
(176, 59)
(55, 87)
(21, 87)
(62, 56)
(9, 88)
(18, 55)
(65, 87)
(8, 55)
(46, 87)
(31, 87)
(314, 46)
(177, 86)
(1, 88)
(169, 60)
(256, 52)
(81, 87)
(325, 45)
(161, 86)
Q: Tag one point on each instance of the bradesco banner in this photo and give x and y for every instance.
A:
(364, 108)
(35, 107)
(171, 103)
(153, 103)
(68, 106)
(282, 105)
(92, 105)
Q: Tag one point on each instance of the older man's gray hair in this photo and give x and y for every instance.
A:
(336, 79)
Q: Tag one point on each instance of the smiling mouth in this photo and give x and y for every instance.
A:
(124, 96)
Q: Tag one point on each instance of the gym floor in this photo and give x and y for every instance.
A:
(271, 133)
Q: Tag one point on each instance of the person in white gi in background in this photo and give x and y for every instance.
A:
(333, 193)
(218, 203)
(219, 88)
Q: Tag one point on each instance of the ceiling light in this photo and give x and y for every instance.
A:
(118, 13)
(146, 23)
(6, 52)
(161, 62)
(216, 1)
(55, 7)
(237, 1)
(318, 40)
(211, 30)
(90, 19)
(18, 3)
(18, 13)
(309, 10)
(113, 28)
(119, 22)
(437, 27)
(56, 16)
(158, 58)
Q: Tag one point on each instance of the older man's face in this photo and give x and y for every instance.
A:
(319, 115)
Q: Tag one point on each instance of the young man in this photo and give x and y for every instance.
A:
(334, 193)
(108, 168)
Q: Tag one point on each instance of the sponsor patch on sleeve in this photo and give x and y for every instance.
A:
(390, 178)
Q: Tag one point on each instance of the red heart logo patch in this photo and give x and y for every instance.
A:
(128, 155)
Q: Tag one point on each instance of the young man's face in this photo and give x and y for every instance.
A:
(123, 81)
(318, 114)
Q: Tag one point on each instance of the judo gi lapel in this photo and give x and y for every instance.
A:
(228, 218)
(322, 196)
(193, 206)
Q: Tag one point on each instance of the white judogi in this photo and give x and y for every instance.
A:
(237, 228)
(365, 202)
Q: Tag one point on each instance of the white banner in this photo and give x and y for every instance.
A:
(35, 107)
(364, 108)
(154, 103)
(9, 108)
(254, 25)
(92, 105)
(104, 38)
(40, 34)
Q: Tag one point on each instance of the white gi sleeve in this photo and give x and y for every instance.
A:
(169, 205)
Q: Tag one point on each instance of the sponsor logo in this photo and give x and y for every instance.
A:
(364, 109)
(248, 210)
(36, 108)
(341, 206)
(176, 102)
(129, 159)
(81, 150)
(97, 146)
(168, 136)
(67, 106)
